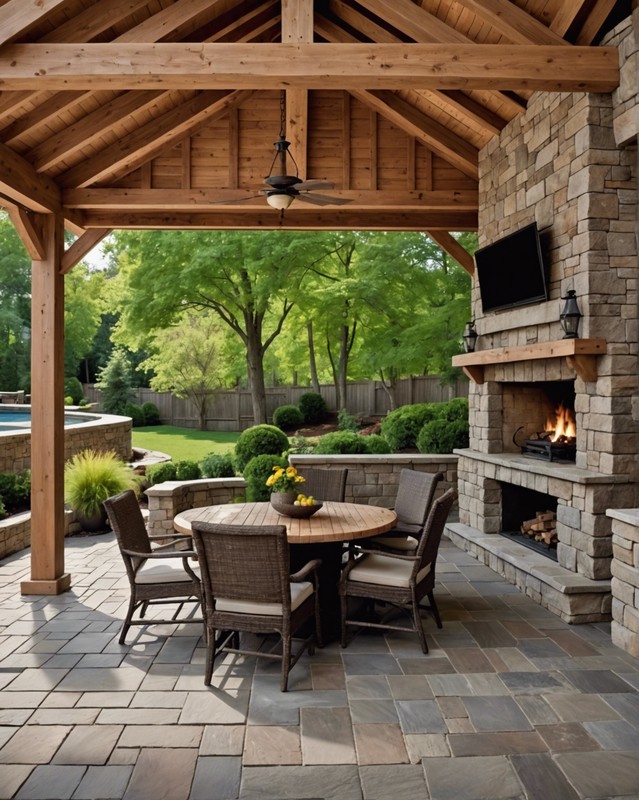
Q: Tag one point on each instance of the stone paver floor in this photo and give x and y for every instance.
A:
(510, 703)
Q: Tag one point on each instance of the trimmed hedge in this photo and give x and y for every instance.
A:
(342, 442)
(313, 407)
(15, 491)
(287, 417)
(158, 473)
(151, 414)
(136, 413)
(73, 389)
(401, 427)
(259, 440)
(376, 444)
(442, 436)
(256, 472)
(217, 466)
(187, 471)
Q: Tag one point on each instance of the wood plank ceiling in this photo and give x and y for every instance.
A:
(163, 113)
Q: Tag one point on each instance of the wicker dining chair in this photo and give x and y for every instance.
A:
(397, 579)
(414, 498)
(324, 484)
(247, 587)
(157, 574)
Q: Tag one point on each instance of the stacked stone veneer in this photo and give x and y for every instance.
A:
(100, 433)
(570, 164)
(625, 579)
(15, 531)
(372, 480)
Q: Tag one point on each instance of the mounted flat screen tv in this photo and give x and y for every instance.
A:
(511, 271)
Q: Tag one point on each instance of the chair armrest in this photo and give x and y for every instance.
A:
(161, 553)
(302, 574)
(385, 552)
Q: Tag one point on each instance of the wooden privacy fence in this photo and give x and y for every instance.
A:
(232, 410)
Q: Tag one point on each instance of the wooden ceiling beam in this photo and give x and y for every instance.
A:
(21, 184)
(293, 219)
(513, 22)
(297, 26)
(41, 114)
(211, 199)
(178, 19)
(433, 134)
(151, 139)
(471, 109)
(17, 16)
(458, 253)
(309, 66)
(61, 145)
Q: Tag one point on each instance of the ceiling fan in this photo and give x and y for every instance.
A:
(284, 188)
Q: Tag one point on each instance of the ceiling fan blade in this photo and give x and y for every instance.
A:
(237, 200)
(314, 184)
(321, 199)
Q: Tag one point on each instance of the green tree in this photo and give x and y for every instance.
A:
(15, 309)
(83, 306)
(188, 360)
(115, 383)
(249, 279)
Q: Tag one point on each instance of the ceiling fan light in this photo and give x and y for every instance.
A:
(279, 200)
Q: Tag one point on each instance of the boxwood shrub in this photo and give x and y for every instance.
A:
(344, 442)
(158, 473)
(376, 443)
(287, 417)
(187, 470)
(401, 427)
(442, 436)
(217, 466)
(136, 413)
(313, 407)
(151, 414)
(259, 440)
(256, 472)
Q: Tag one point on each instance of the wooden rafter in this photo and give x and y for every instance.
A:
(318, 66)
(595, 20)
(513, 22)
(150, 139)
(406, 16)
(17, 16)
(566, 15)
(433, 134)
(22, 185)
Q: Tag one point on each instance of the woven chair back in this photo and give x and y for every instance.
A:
(127, 522)
(243, 563)
(429, 543)
(324, 484)
(415, 496)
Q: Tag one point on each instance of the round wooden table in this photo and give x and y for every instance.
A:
(334, 522)
(319, 536)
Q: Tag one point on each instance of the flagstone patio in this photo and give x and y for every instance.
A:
(511, 702)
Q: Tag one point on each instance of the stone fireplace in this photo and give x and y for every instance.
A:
(570, 165)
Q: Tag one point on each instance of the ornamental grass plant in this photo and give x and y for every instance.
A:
(91, 477)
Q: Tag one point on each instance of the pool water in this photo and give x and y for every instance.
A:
(18, 421)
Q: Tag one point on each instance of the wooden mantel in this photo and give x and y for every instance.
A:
(579, 354)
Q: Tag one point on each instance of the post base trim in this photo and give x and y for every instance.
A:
(55, 586)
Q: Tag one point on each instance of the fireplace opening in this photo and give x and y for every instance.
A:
(543, 418)
(520, 506)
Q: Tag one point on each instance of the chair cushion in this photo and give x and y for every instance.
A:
(165, 571)
(299, 593)
(407, 543)
(380, 569)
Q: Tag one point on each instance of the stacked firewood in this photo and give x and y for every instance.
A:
(543, 528)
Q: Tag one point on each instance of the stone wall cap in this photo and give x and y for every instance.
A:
(169, 488)
(389, 458)
(629, 515)
(564, 472)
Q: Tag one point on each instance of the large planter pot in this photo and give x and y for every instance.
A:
(95, 523)
(283, 500)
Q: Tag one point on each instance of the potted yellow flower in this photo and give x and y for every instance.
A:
(283, 484)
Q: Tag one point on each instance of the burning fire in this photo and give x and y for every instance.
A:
(563, 427)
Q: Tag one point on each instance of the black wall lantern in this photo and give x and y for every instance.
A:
(470, 337)
(570, 315)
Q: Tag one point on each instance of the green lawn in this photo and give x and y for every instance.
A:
(184, 444)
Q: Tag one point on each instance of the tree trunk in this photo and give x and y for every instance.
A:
(255, 368)
(202, 409)
(390, 387)
(311, 358)
(340, 384)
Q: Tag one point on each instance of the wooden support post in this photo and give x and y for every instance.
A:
(47, 416)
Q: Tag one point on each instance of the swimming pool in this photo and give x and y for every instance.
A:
(13, 420)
